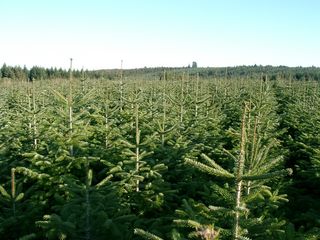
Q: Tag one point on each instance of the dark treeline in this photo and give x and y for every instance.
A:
(36, 72)
(255, 71)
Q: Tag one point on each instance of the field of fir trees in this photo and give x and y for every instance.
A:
(179, 158)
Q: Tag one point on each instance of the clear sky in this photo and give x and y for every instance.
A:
(99, 33)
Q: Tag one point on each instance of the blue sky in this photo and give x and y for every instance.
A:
(100, 33)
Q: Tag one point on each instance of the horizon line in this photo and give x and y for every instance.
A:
(164, 67)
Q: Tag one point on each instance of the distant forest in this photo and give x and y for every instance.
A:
(255, 71)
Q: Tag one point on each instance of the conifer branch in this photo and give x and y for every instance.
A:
(210, 170)
(187, 223)
(214, 164)
(32, 174)
(146, 235)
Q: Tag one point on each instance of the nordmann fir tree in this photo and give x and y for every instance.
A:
(254, 167)
(301, 117)
(163, 130)
(12, 208)
(180, 98)
(19, 125)
(140, 173)
(84, 197)
(194, 134)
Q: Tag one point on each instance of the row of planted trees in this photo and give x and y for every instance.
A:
(191, 158)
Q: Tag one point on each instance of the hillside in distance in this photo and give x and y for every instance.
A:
(272, 72)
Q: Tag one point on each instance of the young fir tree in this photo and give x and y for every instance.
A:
(79, 196)
(139, 173)
(247, 196)
(16, 209)
(301, 117)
